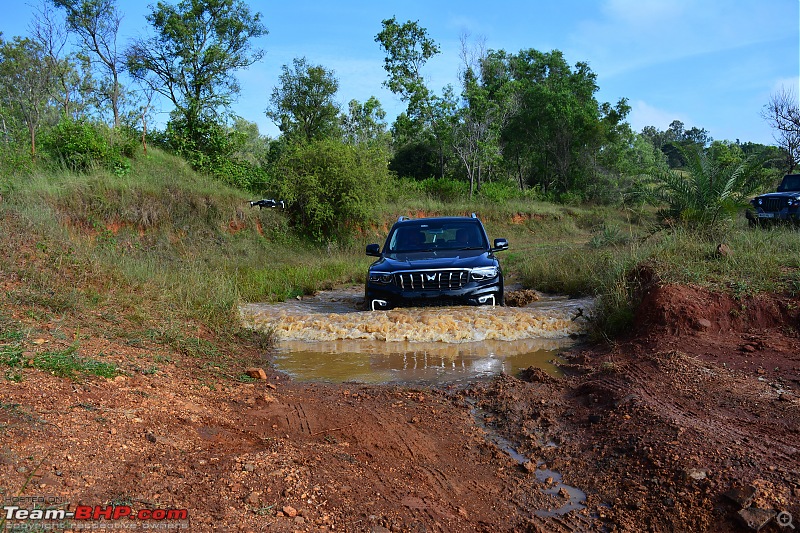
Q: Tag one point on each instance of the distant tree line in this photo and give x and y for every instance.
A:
(72, 95)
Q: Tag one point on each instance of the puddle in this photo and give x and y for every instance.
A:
(551, 483)
(327, 338)
(414, 362)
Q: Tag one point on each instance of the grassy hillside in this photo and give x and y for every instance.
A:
(163, 245)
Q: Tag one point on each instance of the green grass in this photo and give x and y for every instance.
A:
(68, 364)
(64, 363)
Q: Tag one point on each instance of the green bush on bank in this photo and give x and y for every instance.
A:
(331, 188)
(80, 146)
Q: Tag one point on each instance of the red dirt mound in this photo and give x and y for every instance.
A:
(686, 308)
(753, 332)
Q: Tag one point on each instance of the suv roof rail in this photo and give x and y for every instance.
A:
(473, 215)
(402, 218)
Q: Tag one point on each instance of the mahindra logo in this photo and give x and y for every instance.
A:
(430, 277)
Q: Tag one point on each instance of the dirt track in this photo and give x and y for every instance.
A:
(654, 429)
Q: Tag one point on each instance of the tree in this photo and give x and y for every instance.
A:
(329, 186)
(675, 138)
(96, 23)
(365, 123)
(783, 114)
(426, 124)
(51, 36)
(407, 48)
(26, 83)
(143, 109)
(476, 132)
(303, 105)
(558, 127)
(191, 60)
(254, 147)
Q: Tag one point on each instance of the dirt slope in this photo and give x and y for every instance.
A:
(654, 429)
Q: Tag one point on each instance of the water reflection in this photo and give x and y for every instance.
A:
(414, 362)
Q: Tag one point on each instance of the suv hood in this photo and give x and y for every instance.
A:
(784, 194)
(435, 259)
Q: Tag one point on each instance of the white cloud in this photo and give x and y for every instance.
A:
(787, 84)
(643, 114)
(644, 14)
(633, 34)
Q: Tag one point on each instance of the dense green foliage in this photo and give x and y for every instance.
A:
(79, 146)
(331, 187)
(709, 190)
(303, 105)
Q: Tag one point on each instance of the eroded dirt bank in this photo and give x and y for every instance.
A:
(654, 429)
(677, 428)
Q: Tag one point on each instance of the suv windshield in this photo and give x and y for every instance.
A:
(456, 235)
(791, 183)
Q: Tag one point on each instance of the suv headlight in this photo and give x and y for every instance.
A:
(380, 277)
(484, 273)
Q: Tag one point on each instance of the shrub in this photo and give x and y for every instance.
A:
(211, 148)
(445, 189)
(80, 146)
(708, 192)
(500, 191)
(330, 187)
(13, 162)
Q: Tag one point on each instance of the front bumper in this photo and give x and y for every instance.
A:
(474, 293)
(786, 214)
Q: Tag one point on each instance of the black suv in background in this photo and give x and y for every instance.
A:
(781, 205)
(438, 260)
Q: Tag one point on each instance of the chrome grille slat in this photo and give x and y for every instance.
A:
(438, 279)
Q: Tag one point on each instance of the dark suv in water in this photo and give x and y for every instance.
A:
(780, 205)
(434, 261)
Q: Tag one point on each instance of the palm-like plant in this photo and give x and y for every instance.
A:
(706, 191)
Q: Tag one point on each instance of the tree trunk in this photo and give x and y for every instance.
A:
(32, 131)
(144, 132)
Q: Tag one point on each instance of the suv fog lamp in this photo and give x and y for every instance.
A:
(484, 273)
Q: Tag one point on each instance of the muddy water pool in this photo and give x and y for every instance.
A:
(328, 338)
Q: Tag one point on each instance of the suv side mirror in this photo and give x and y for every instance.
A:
(500, 245)
(374, 250)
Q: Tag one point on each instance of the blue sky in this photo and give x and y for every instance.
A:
(711, 64)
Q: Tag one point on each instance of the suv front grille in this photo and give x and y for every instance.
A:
(434, 280)
(773, 204)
